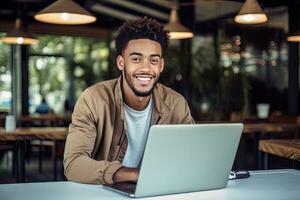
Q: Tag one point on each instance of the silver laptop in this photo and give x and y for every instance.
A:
(185, 158)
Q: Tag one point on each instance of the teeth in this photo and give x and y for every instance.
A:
(144, 78)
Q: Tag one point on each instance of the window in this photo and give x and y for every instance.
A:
(5, 79)
(48, 80)
(61, 67)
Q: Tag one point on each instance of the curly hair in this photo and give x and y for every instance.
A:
(142, 28)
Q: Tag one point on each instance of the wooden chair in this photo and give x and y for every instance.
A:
(278, 117)
(238, 117)
(37, 120)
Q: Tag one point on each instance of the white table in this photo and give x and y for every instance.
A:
(264, 185)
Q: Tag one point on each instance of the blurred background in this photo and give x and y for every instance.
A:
(228, 72)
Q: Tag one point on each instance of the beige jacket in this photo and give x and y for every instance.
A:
(97, 138)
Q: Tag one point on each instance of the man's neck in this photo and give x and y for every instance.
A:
(135, 102)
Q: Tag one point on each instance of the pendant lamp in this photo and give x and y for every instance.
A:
(19, 35)
(65, 12)
(251, 13)
(294, 37)
(177, 30)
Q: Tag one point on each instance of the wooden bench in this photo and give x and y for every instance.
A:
(286, 148)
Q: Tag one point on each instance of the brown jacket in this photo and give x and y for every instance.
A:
(97, 138)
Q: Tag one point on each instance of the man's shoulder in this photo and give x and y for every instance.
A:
(107, 84)
(102, 90)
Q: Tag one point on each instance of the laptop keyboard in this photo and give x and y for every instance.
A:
(126, 187)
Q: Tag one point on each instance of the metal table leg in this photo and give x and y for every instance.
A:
(20, 161)
(266, 161)
(257, 152)
(55, 160)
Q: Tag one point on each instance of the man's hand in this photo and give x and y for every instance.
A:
(125, 174)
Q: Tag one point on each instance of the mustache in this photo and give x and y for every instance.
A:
(145, 74)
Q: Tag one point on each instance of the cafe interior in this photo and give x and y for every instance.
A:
(233, 61)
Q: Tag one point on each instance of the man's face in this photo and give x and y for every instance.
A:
(141, 64)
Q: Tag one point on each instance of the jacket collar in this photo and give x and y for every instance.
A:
(119, 97)
(160, 110)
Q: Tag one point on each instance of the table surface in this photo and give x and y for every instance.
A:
(61, 132)
(271, 127)
(264, 185)
(50, 133)
(287, 148)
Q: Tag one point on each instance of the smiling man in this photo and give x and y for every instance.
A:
(111, 119)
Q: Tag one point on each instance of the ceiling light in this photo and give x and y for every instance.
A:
(251, 13)
(177, 30)
(65, 12)
(294, 37)
(19, 35)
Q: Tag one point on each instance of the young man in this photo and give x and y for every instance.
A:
(111, 119)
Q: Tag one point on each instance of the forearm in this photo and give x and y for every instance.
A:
(87, 170)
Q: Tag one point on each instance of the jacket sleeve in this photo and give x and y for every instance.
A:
(79, 165)
(182, 112)
(187, 117)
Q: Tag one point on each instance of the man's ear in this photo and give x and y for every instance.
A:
(162, 65)
(120, 62)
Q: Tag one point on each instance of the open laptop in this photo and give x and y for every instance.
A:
(184, 158)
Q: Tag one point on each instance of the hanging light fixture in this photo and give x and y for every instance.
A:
(19, 35)
(294, 37)
(177, 30)
(65, 12)
(251, 13)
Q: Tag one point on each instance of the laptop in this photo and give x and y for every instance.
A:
(184, 158)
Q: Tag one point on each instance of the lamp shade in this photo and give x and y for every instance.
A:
(177, 30)
(294, 37)
(65, 12)
(251, 13)
(19, 35)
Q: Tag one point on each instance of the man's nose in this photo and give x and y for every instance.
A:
(146, 64)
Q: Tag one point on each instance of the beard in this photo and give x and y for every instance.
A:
(136, 91)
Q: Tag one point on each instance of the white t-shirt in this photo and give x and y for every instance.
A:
(138, 125)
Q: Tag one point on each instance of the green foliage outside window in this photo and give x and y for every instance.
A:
(57, 61)
(5, 78)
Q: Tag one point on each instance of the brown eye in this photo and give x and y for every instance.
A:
(154, 61)
(136, 60)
